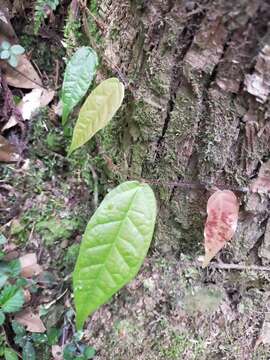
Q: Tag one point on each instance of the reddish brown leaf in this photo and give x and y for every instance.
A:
(32, 321)
(222, 211)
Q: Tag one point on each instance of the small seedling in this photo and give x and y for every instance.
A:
(10, 53)
(114, 245)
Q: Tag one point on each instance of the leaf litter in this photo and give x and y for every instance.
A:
(31, 320)
(221, 223)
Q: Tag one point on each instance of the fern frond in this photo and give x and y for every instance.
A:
(42, 9)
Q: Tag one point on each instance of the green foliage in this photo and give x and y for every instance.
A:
(114, 246)
(71, 255)
(72, 34)
(93, 28)
(29, 351)
(11, 299)
(11, 296)
(42, 8)
(74, 351)
(10, 354)
(10, 53)
(2, 318)
(79, 74)
(34, 344)
(53, 229)
(97, 111)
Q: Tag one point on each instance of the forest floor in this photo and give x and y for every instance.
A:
(174, 309)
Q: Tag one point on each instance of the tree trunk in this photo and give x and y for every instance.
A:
(197, 110)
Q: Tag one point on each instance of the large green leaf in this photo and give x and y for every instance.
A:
(11, 299)
(79, 74)
(114, 246)
(97, 111)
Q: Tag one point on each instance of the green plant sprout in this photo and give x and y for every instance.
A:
(10, 53)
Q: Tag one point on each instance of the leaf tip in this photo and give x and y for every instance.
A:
(207, 258)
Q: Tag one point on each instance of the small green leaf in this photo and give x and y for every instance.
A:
(10, 354)
(17, 49)
(69, 352)
(18, 328)
(14, 268)
(39, 339)
(97, 111)
(5, 54)
(3, 279)
(11, 299)
(21, 282)
(5, 45)
(2, 318)
(11, 268)
(29, 351)
(3, 239)
(114, 246)
(53, 335)
(13, 60)
(89, 352)
(79, 74)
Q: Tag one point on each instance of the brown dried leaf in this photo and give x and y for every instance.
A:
(32, 321)
(7, 151)
(262, 183)
(221, 223)
(29, 105)
(29, 266)
(24, 75)
(6, 28)
(57, 352)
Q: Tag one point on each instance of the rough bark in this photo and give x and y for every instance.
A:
(197, 110)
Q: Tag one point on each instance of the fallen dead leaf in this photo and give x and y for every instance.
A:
(46, 97)
(58, 108)
(27, 296)
(29, 105)
(57, 352)
(24, 75)
(8, 152)
(29, 266)
(12, 255)
(32, 321)
(6, 28)
(221, 223)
